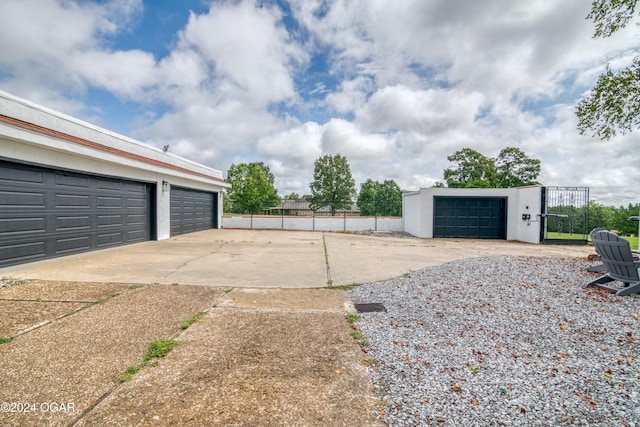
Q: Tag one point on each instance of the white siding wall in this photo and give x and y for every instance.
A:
(412, 213)
(529, 202)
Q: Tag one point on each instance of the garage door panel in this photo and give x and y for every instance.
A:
(469, 217)
(22, 225)
(21, 199)
(22, 252)
(137, 236)
(72, 201)
(110, 221)
(137, 202)
(109, 186)
(139, 220)
(64, 246)
(67, 213)
(66, 180)
(108, 202)
(16, 175)
(135, 187)
(192, 210)
(115, 238)
(73, 223)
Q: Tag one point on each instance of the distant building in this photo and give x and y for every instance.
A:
(302, 207)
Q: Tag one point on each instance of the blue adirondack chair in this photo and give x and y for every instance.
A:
(599, 267)
(615, 253)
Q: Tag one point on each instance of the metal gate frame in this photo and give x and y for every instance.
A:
(565, 215)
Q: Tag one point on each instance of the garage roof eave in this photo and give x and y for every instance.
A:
(30, 117)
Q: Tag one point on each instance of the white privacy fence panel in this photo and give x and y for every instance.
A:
(318, 223)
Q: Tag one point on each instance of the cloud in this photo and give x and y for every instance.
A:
(343, 137)
(394, 86)
(298, 146)
(62, 38)
(248, 48)
(430, 111)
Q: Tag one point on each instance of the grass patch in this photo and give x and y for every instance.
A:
(190, 321)
(158, 348)
(566, 236)
(13, 281)
(371, 362)
(356, 335)
(4, 340)
(155, 350)
(352, 318)
(346, 287)
(633, 241)
(107, 298)
(132, 287)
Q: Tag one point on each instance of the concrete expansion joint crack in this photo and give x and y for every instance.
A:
(280, 309)
(189, 261)
(326, 260)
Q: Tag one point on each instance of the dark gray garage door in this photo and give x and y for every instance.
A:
(192, 210)
(470, 217)
(47, 213)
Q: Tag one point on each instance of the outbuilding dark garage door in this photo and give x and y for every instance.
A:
(192, 210)
(46, 213)
(470, 217)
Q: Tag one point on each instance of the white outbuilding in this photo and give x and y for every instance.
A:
(67, 186)
(476, 213)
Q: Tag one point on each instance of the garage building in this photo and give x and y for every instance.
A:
(474, 213)
(67, 186)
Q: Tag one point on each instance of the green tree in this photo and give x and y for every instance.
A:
(382, 199)
(389, 199)
(515, 169)
(512, 168)
(367, 197)
(252, 188)
(332, 184)
(474, 170)
(227, 205)
(621, 222)
(292, 196)
(600, 216)
(614, 103)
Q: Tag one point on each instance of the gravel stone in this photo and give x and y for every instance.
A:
(503, 341)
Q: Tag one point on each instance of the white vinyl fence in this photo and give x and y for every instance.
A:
(313, 223)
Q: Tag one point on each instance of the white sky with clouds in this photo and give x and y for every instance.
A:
(395, 86)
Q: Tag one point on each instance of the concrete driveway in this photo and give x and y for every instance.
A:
(272, 259)
(257, 356)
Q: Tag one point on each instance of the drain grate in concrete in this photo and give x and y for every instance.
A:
(370, 308)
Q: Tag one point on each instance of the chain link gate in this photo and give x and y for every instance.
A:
(565, 215)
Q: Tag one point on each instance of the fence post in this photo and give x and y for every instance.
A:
(344, 221)
(251, 223)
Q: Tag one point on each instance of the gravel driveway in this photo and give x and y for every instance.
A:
(503, 341)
